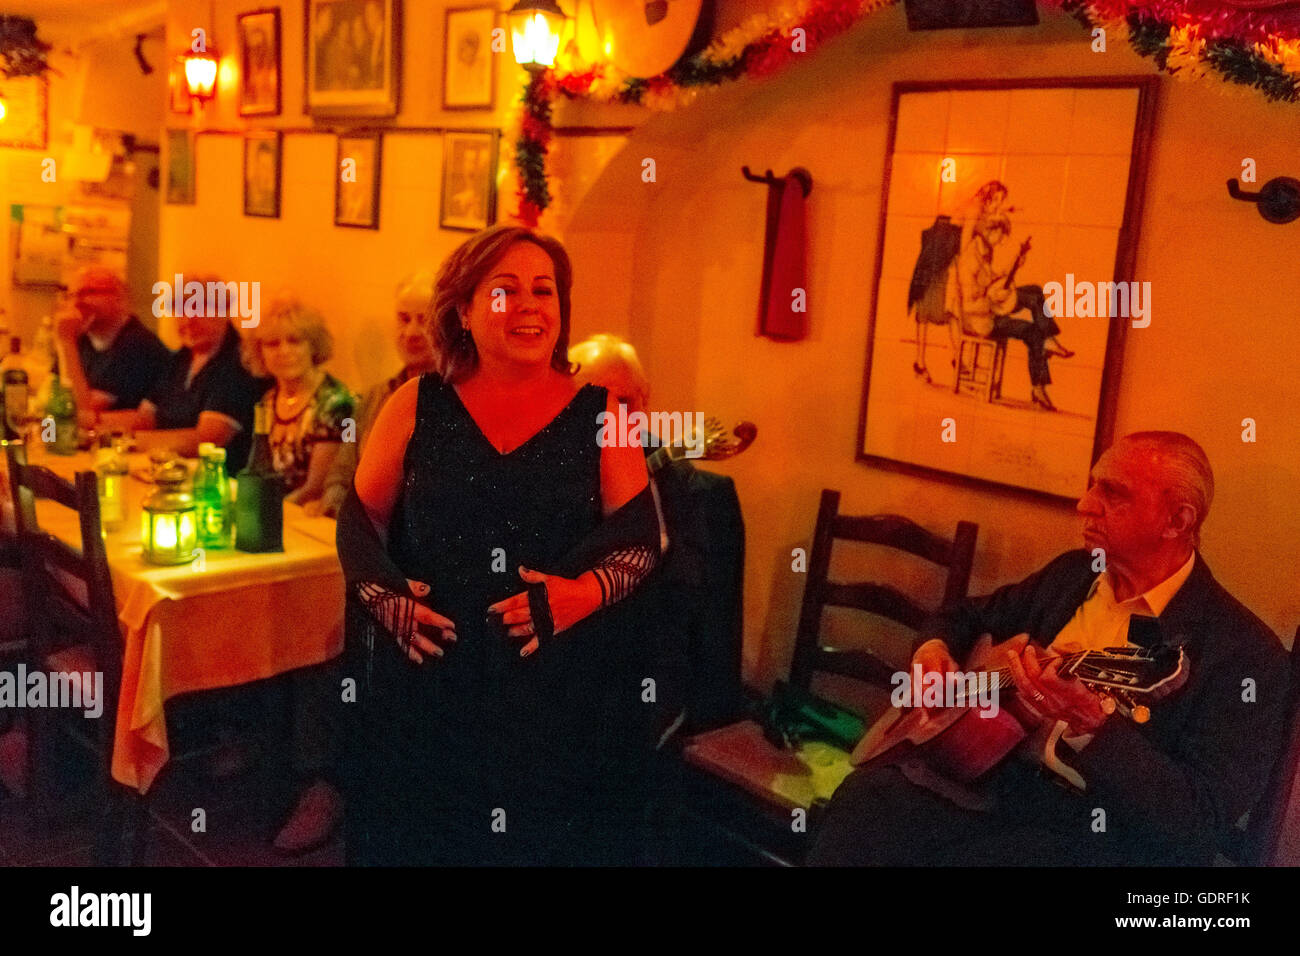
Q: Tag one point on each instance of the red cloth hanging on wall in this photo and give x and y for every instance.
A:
(784, 264)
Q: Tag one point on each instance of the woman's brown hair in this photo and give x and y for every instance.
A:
(461, 273)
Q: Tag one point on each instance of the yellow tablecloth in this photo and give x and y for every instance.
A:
(227, 619)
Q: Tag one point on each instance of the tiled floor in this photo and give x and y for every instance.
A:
(239, 820)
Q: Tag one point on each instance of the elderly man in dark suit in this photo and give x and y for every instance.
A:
(1158, 793)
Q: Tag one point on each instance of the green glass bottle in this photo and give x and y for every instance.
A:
(61, 409)
(259, 494)
(212, 497)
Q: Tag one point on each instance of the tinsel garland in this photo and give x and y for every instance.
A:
(1258, 48)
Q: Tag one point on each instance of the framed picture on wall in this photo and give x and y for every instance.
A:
(178, 92)
(960, 14)
(468, 65)
(356, 191)
(469, 179)
(1004, 278)
(353, 60)
(27, 112)
(262, 151)
(180, 167)
(259, 63)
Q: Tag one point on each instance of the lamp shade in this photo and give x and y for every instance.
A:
(535, 27)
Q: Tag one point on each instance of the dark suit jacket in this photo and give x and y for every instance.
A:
(1180, 781)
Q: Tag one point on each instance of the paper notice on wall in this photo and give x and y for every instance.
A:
(38, 242)
(98, 234)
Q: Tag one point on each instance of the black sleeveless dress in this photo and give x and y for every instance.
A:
(483, 757)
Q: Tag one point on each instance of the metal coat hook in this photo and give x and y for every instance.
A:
(804, 177)
(1278, 201)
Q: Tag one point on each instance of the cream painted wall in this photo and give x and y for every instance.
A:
(349, 274)
(1221, 346)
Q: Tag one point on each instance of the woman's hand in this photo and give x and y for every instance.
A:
(403, 619)
(570, 600)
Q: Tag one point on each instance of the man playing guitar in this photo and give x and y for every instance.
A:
(1155, 793)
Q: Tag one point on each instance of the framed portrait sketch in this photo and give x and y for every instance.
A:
(180, 167)
(259, 63)
(960, 14)
(262, 152)
(468, 66)
(469, 179)
(1004, 278)
(356, 190)
(353, 57)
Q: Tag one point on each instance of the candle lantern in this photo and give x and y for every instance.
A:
(170, 529)
(535, 27)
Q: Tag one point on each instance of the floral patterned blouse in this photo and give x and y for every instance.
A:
(322, 418)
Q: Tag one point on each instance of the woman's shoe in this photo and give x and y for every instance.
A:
(921, 372)
(1039, 397)
(1057, 349)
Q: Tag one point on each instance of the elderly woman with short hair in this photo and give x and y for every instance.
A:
(309, 408)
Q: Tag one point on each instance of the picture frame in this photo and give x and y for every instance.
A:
(259, 62)
(263, 155)
(356, 197)
(997, 196)
(179, 100)
(469, 75)
(469, 183)
(347, 76)
(964, 14)
(181, 175)
(27, 117)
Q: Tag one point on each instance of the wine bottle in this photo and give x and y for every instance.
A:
(62, 411)
(14, 411)
(259, 493)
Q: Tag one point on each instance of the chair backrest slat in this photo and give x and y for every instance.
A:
(894, 531)
(1267, 818)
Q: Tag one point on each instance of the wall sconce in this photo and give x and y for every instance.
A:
(201, 75)
(535, 28)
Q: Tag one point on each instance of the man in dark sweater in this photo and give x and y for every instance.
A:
(107, 355)
(1158, 793)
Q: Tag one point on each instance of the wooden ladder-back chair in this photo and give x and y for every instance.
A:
(1262, 842)
(893, 531)
(737, 784)
(72, 633)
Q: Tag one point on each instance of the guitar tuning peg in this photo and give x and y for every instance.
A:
(1107, 705)
(1141, 714)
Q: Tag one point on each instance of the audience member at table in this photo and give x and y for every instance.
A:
(107, 356)
(415, 348)
(309, 409)
(205, 394)
(486, 532)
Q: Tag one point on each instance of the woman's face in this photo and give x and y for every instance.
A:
(286, 352)
(414, 344)
(200, 333)
(515, 313)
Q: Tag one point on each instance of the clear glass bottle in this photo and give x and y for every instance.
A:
(111, 470)
(62, 409)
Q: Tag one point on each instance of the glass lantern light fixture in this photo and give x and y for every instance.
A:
(201, 75)
(535, 28)
(169, 526)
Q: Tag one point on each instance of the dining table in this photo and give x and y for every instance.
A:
(223, 619)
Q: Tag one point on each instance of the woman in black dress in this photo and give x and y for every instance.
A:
(486, 531)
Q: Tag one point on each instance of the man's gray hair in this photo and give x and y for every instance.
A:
(1191, 480)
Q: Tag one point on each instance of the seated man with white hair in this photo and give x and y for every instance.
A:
(419, 357)
(1121, 792)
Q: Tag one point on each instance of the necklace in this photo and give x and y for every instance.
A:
(290, 404)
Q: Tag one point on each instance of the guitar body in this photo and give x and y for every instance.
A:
(948, 749)
(953, 742)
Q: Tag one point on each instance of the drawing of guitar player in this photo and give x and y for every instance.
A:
(985, 298)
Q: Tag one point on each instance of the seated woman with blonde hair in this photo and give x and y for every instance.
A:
(309, 408)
